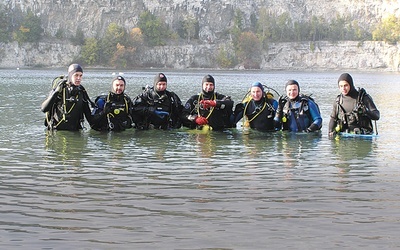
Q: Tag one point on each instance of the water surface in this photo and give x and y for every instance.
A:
(193, 190)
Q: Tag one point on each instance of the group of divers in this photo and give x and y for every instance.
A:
(158, 108)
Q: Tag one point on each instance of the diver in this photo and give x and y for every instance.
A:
(257, 110)
(208, 109)
(156, 107)
(353, 110)
(297, 112)
(113, 111)
(68, 102)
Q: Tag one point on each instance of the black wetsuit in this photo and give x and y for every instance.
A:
(258, 114)
(158, 110)
(65, 108)
(353, 113)
(112, 112)
(218, 117)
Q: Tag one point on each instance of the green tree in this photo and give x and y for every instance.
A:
(4, 25)
(284, 22)
(338, 30)
(79, 38)
(224, 59)
(301, 31)
(387, 30)
(360, 33)
(135, 37)
(126, 55)
(60, 33)
(237, 28)
(90, 51)
(253, 22)
(154, 31)
(30, 29)
(272, 28)
(114, 35)
(189, 28)
(123, 57)
(249, 50)
(265, 27)
(314, 29)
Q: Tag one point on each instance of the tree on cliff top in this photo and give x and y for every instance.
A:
(114, 35)
(388, 30)
(4, 25)
(30, 29)
(90, 52)
(155, 32)
(249, 50)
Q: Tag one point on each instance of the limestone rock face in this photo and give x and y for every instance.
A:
(333, 56)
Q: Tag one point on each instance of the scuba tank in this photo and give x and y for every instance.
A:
(57, 84)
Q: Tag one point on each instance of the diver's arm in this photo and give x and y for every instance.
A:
(316, 117)
(371, 111)
(51, 99)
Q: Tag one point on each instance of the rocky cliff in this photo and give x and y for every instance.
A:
(93, 17)
(281, 56)
(213, 16)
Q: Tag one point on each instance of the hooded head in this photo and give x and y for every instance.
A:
(118, 85)
(347, 78)
(257, 91)
(258, 84)
(208, 85)
(160, 78)
(291, 91)
(72, 69)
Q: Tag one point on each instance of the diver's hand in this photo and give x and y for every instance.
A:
(201, 120)
(208, 103)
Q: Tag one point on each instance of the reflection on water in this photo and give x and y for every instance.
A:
(353, 154)
(65, 147)
(187, 189)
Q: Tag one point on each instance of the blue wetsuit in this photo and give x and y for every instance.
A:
(299, 115)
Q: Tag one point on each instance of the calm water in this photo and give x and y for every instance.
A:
(191, 190)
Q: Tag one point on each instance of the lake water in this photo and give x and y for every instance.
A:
(192, 190)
